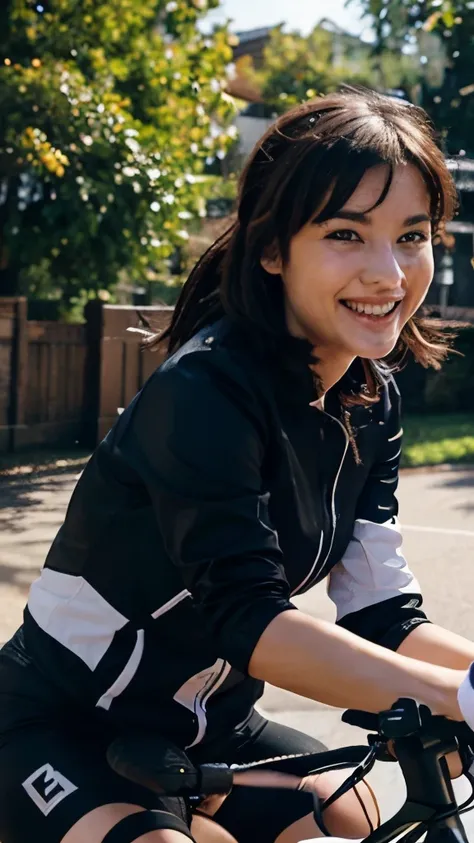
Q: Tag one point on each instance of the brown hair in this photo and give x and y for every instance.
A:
(322, 147)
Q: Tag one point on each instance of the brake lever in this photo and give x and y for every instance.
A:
(363, 719)
(405, 717)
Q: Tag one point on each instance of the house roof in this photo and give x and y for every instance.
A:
(256, 34)
(243, 89)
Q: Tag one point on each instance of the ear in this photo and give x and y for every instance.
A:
(271, 260)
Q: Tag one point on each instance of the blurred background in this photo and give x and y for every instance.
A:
(124, 125)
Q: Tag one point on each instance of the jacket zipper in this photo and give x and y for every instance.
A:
(315, 570)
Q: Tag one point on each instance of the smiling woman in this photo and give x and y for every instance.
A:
(260, 458)
(352, 290)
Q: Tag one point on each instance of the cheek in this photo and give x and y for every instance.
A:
(420, 275)
(314, 276)
(418, 279)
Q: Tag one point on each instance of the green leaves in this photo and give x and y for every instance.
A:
(113, 109)
(297, 68)
(439, 35)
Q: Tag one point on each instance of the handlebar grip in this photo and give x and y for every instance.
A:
(215, 778)
(363, 719)
(405, 717)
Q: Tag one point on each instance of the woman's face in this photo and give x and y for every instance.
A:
(352, 282)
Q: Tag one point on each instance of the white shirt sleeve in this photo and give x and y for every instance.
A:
(372, 569)
(466, 698)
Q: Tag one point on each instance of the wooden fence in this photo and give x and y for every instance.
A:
(123, 364)
(55, 381)
(63, 384)
(12, 369)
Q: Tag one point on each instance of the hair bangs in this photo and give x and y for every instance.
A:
(340, 164)
(442, 194)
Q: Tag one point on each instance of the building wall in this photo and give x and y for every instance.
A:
(251, 130)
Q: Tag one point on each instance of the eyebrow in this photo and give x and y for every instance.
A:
(358, 216)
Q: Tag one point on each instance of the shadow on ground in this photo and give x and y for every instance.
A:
(462, 479)
(28, 486)
(17, 499)
(33, 501)
(19, 576)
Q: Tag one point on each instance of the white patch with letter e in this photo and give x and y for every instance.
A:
(47, 788)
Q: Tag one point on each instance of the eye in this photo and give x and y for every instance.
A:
(414, 237)
(345, 235)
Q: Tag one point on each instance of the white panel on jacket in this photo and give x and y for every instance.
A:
(372, 569)
(70, 610)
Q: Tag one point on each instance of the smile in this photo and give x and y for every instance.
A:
(379, 311)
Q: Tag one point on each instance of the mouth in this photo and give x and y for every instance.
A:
(372, 312)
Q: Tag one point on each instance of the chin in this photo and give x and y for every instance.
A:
(372, 352)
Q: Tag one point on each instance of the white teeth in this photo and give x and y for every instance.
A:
(371, 309)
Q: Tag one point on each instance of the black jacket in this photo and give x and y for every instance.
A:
(218, 495)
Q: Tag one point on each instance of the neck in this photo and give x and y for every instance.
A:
(330, 369)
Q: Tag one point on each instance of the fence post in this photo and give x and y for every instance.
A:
(19, 372)
(93, 312)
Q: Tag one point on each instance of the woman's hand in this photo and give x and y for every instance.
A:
(452, 710)
(452, 679)
(454, 765)
(447, 702)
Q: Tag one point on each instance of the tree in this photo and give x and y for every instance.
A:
(109, 112)
(403, 25)
(297, 68)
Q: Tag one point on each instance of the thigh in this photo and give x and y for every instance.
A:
(50, 778)
(247, 809)
(267, 739)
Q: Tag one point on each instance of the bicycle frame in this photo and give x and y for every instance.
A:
(449, 831)
(443, 834)
(431, 805)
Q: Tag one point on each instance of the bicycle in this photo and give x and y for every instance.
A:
(407, 734)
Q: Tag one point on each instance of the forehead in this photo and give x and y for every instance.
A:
(408, 190)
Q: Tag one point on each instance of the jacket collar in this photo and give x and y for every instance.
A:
(298, 382)
(288, 359)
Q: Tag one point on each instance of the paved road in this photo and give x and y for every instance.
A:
(437, 509)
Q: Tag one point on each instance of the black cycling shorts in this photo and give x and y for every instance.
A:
(52, 773)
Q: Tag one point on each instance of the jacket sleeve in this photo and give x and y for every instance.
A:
(197, 439)
(376, 594)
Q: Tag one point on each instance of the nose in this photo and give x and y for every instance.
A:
(382, 269)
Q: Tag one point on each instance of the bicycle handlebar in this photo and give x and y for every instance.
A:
(420, 743)
(406, 717)
(161, 766)
(153, 762)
